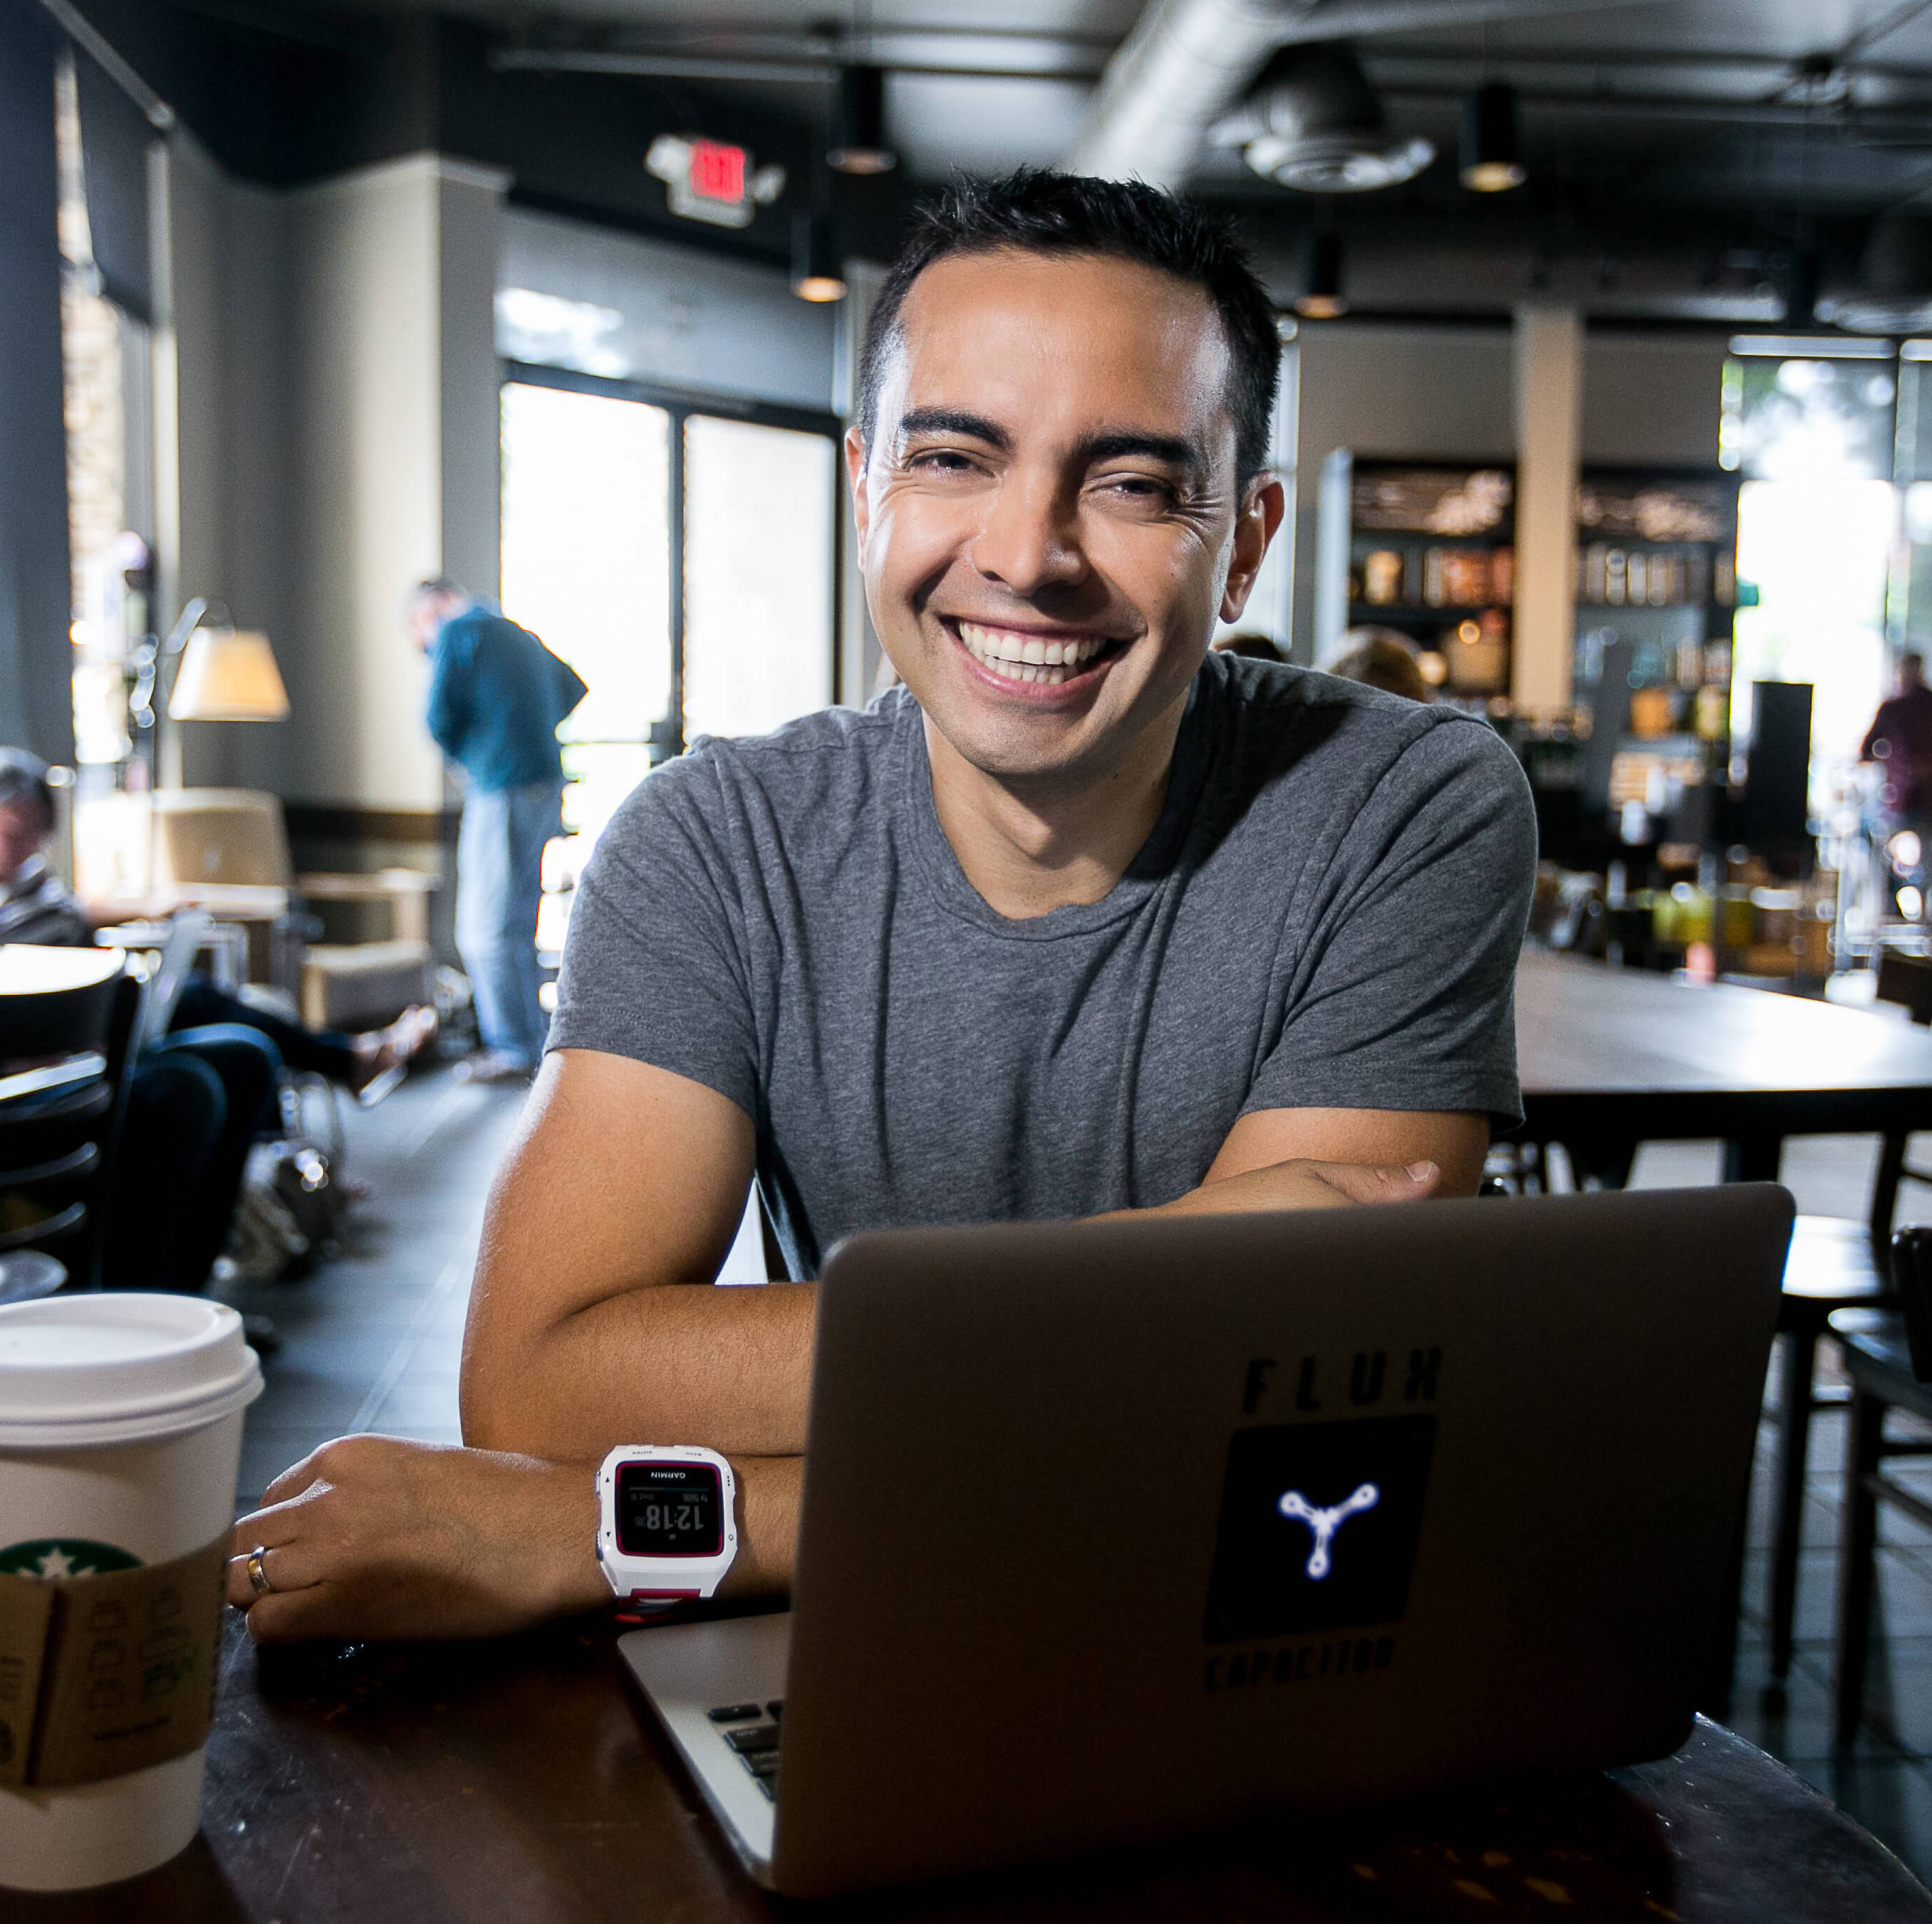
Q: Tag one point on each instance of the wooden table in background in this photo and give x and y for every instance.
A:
(1610, 1058)
(521, 1782)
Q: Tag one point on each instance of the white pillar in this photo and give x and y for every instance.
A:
(395, 381)
(1549, 408)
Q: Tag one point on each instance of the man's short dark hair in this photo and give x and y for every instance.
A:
(23, 779)
(1039, 212)
(438, 584)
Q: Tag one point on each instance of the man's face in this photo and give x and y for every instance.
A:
(23, 829)
(1048, 519)
(428, 612)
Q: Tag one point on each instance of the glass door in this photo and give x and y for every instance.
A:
(760, 529)
(682, 561)
(586, 565)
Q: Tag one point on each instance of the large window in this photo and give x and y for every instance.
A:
(759, 529)
(682, 560)
(1817, 520)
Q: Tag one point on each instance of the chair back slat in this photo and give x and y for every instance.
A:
(1912, 1277)
(1907, 980)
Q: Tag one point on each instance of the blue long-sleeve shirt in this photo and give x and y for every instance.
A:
(495, 696)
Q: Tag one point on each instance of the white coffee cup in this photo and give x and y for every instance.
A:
(120, 1436)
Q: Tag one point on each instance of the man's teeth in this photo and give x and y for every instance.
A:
(1029, 657)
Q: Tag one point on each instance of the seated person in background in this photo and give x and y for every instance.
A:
(1081, 920)
(1381, 657)
(198, 1100)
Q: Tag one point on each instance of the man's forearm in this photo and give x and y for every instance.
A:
(727, 1368)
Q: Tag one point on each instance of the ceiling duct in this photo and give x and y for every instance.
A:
(1313, 122)
(1186, 61)
(1893, 294)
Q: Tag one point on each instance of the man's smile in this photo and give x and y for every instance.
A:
(1051, 656)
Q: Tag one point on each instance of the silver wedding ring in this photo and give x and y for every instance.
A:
(258, 1577)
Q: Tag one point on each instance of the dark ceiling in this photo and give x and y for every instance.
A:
(1701, 144)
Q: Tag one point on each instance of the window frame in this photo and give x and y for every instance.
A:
(666, 738)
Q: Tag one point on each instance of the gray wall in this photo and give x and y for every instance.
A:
(1448, 394)
(338, 378)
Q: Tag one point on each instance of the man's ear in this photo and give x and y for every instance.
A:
(1263, 505)
(855, 475)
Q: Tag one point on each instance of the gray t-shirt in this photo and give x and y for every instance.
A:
(1327, 915)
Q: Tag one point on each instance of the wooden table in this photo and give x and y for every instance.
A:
(1611, 1057)
(522, 1780)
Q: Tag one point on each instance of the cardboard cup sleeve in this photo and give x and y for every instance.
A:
(105, 1673)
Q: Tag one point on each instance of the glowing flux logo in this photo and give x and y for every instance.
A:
(1325, 1523)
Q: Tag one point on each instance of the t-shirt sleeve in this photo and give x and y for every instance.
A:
(1404, 997)
(654, 966)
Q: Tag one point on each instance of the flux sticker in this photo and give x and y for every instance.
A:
(1318, 1526)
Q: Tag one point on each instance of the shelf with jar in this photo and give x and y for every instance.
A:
(1656, 591)
(1427, 549)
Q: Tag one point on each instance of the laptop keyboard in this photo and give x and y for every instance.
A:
(752, 1730)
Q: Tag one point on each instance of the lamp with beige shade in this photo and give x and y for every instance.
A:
(226, 850)
(228, 674)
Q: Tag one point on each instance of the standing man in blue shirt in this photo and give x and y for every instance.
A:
(496, 695)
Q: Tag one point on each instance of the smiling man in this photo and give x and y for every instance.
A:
(1081, 919)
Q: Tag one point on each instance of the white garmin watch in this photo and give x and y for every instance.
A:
(666, 1524)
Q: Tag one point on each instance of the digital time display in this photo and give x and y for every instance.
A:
(670, 1509)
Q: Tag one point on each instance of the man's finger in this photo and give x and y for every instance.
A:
(1378, 1182)
(291, 1482)
(289, 1617)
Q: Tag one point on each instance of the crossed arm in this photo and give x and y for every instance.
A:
(627, 1181)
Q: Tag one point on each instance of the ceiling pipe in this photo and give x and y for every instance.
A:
(1187, 61)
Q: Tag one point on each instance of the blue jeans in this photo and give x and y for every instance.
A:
(498, 884)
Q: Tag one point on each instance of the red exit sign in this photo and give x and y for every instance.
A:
(717, 172)
(712, 180)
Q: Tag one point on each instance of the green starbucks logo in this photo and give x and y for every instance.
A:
(55, 1556)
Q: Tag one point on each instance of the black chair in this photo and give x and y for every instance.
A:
(1888, 1355)
(1905, 981)
(1835, 1264)
(60, 1118)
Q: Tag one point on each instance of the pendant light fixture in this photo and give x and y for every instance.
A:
(858, 145)
(1322, 297)
(1492, 142)
(817, 272)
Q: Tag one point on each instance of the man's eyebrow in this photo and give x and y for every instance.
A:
(955, 420)
(1172, 450)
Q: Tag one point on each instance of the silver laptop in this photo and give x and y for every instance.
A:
(1115, 1530)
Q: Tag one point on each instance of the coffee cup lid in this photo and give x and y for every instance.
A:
(119, 1367)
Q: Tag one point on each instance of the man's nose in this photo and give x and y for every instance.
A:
(1030, 538)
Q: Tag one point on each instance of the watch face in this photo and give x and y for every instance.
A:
(670, 1509)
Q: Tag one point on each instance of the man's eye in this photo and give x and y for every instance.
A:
(1139, 486)
(942, 460)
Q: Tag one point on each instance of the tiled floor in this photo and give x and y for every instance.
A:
(372, 1341)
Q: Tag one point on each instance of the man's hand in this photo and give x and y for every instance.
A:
(1304, 1185)
(374, 1537)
